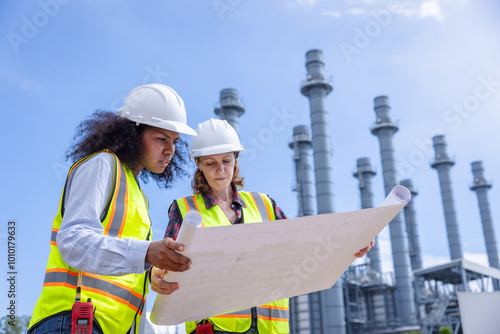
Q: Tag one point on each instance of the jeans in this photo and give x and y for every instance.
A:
(59, 324)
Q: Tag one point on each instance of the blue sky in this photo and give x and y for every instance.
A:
(61, 60)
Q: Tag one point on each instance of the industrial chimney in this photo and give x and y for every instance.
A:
(230, 107)
(301, 146)
(442, 162)
(316, 87)
(481, 187)
(301, 320)
(411, 227)
(364, 174)
(384, 129)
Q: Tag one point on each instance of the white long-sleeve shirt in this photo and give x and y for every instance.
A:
(80, 238)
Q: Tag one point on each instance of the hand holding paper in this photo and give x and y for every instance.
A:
(241, 266)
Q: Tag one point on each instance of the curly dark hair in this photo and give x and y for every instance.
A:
(107, 130)
(200, 183)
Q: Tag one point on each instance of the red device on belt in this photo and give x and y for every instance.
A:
(82, 317)
(82, 314)
(205, 328)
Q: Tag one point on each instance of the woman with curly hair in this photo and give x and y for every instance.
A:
(101, 248)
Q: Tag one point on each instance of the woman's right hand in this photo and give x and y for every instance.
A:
(158, 285)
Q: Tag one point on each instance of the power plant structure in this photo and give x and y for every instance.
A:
(364, 174)
(412, 299)
(230, 107)
(443, 163)
(316, 87)
(304, 309)
(412, 228)
(481, 187)
(384, 129)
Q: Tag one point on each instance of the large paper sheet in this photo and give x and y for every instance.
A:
(241, 266)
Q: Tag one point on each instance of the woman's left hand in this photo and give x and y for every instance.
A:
(158, 285)
(365, 250)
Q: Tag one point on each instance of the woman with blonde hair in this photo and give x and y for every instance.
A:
(219, 199)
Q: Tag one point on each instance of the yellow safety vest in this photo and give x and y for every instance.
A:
(273, 317)
(118, 300)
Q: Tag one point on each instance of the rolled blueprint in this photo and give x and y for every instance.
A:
(192, 221)
(398, 195)
(236, 267)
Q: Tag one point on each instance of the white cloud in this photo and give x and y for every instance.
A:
(426, 9)
(481, 259)
(365, 2)
(21, 81)
(419, 9)
(431, 260)
(431, 9)
(331, 13)
(356, 11)
(309, 3)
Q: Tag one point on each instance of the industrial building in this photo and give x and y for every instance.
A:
(412, 299)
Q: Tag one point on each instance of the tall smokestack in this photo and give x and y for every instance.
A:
(411, 227)
(481, 187)
(230, 107)
(442, 162)
(316, 88)
(384, 129)
(364, 174)
(301, 319)
(303, 170)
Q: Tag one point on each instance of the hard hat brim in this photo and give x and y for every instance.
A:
(226, 148)
(173, 126)
(167, 125)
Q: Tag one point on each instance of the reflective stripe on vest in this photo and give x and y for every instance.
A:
(53, 236)
(271, 317)
(118, 213)
(91, 282)
(272, 312)
(118, 300)
(265, 312)
(118, 208)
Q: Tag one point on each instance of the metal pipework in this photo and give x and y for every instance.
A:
(230, 107)
(384, 129)
(443, 163)
(412, 228)
(364, 174)
(316, 87)
(480, 186)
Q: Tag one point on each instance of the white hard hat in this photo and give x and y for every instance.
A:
(213, 137)
(156, 105)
